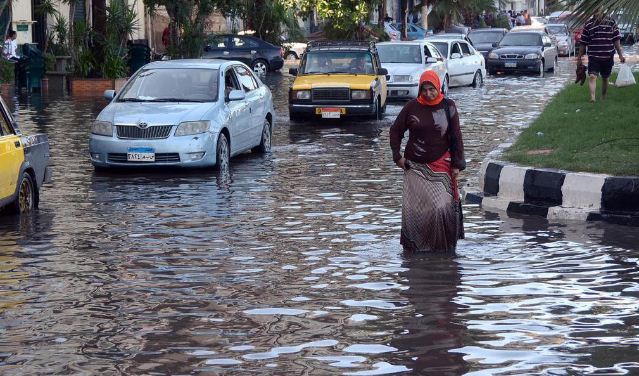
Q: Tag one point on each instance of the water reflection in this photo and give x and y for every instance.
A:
(435, 330)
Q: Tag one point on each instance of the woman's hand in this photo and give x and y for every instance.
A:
(401, 163)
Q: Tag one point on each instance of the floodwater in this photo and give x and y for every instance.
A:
(292, 265)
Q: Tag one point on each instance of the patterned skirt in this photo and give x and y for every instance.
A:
(432, 219)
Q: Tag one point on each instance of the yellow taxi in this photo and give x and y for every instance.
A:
(337, 79)
(24, 165)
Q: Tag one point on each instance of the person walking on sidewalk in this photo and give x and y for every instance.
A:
(601, 36)
(431, 209)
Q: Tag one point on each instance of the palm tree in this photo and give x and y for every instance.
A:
(586, 8)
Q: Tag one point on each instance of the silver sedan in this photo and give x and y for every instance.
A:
(186, 113)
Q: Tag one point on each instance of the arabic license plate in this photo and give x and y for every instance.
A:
(140, 155)
(510, 65)
(331, 113)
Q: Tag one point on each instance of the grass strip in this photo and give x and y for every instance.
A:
(576, 135)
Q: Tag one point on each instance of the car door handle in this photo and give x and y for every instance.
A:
(253, 52)
(226, 52)
(17, 144)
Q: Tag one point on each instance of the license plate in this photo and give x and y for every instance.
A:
(140, 155)
(330, 113)
(510, 65)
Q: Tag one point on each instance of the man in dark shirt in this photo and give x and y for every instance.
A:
(601, 36)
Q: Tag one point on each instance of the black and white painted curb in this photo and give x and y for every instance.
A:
(555, 194)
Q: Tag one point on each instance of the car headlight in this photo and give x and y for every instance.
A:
(103, 128)
(493, 55)
(302, 94)
(188, 128)
(531, 56)
(360, 94)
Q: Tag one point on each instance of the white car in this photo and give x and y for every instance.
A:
(405, 62)
(184, 113)
(465, 65)
(294, 50)
(564, 38)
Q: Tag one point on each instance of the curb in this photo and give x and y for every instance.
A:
(555, 194)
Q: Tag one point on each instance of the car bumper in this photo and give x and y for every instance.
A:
(276, 63)
(350, 109)
(563, 50)
(507, 65)
(173, 151)
(402, 91)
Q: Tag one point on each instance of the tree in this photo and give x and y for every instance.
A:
(586, 8)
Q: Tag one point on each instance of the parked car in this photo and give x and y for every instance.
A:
(336, 79)
(464, 64)
(523, 51)
(458, 29)
(565, 39)
(543, 29)
(261, 56)
(413, 31)
(486, 39)
(294, 50)
(24, 165)
(405, 62)
(392, 32)
(184, 113)
(450, 36)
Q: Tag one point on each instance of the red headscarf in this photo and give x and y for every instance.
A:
(432, 78)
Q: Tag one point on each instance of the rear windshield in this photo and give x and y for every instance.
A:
(486, 37)
(521, 39)
(557, 30)
(338, 62)
(399, 53)
(172, 85)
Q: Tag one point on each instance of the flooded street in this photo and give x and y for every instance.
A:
(293, 265)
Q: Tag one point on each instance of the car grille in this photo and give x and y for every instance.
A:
(152, 132)
(159, 158)
(331, 94)
(512, 56)
(401, 78)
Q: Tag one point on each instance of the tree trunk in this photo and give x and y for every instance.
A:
(426, 9)
(404, 19)
(381, 13)
(71, 41)
(6, 6)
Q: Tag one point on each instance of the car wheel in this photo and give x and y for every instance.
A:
(259, 66)
(291, 55)
(378, 110)
(554, 65)
(445, 86)
(478, 80)
(26, 200)
(540, 69)
(294, 117)
(265, 143)
(492, 72)
(223, 154)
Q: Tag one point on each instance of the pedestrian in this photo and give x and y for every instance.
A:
(9, 51)
(431, 209)
(601, 36)
(519, 20)
(526, 16)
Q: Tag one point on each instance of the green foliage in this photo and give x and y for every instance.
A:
(7, 72)
(502, 22)
(271, 20)
(121, 22)
(58, 35)
(586, 8)
(49, 61)
(83, 60)
(447, 13)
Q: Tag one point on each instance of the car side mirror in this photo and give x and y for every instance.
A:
(236, 95)
(382, 71)
(495, 44)
(109, 94)
(547, 44)
(293, 71)
(431, 60)
(455, 56)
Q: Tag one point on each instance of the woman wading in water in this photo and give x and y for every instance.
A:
(431, 210)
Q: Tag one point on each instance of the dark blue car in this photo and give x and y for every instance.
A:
(260, 55)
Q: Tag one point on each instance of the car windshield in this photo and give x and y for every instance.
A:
(520, 39)
(557, 30)
(442, 47)
(336, 62)
(400, 53)
(172, 85)
(487, 37)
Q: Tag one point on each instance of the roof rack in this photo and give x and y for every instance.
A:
(318, 44)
